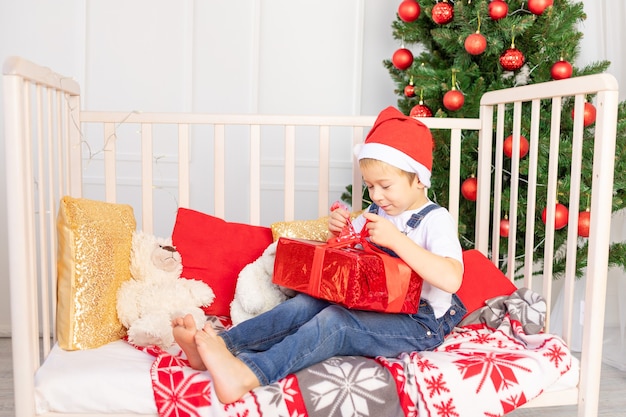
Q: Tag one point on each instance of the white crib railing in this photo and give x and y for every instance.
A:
(494, 106)
(53, 149)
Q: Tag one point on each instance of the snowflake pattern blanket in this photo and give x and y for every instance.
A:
(494, 362)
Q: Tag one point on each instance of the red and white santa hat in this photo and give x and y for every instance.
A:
(400, 141)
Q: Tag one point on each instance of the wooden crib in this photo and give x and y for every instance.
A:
(54, 149)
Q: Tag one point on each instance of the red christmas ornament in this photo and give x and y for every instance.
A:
(469, 188)
(504, 227)
(560, 216)
(475, 44)
(402, 59)
(538, 6)
(409, 10)
(589, 114)
(453, 100)
(584, 221)
(561, 70)
(421, 110)
(512, 59)
(498, 9)
(409, 90)
(443, 12)
(507, 146)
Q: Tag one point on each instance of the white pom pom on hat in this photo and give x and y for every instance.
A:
(400, 141)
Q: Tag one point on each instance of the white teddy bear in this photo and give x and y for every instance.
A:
(255, 293)
(156, 293)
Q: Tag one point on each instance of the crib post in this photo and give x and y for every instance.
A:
(24, 86)
(600, 230)
(21, 256)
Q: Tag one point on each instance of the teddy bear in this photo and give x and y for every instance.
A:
(255, 292)
(156, 292)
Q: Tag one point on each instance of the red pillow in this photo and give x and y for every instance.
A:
(215, 251)
(482, 280)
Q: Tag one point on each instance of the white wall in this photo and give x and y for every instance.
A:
(249, 56)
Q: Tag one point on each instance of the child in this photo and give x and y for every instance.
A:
(395, 163)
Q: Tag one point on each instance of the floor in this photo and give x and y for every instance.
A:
(612, 392)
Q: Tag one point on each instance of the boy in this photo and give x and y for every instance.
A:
(396, 163)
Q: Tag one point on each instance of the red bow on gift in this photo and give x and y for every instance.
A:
(398, 272)
(348, 235)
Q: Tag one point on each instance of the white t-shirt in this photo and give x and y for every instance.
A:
(436, 233)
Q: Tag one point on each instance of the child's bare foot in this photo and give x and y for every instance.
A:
(231, 377)
(184, 331)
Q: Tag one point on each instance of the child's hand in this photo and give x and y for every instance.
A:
(338, 220)
(381, 231)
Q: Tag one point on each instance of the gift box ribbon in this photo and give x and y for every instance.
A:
(397, 272)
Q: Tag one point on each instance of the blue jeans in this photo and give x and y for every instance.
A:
(303, 331)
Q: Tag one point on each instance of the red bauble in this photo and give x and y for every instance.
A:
(421, 110)
(504, 227)
(589, 115)
(402, 59)
(507, 146)
(512, 59)
(538, 6)
(453, 100)
(409, 91)
(409, 10)
(443, 12)
(498, 9)
(561, 70)
(560, 216)
(584, 221)
(469, 188)
(475, 44)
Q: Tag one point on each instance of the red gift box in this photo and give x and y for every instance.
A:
(363, 279)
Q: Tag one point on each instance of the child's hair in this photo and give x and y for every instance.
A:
(369, 162)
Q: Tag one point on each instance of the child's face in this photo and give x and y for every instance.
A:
(391, 189)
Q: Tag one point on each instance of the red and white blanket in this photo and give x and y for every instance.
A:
(488, 366)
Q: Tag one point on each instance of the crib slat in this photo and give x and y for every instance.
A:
(497, 187)
(324, 171)
(531, 198)
(514, 187)
(47, 222)
(218, 170)
(147, 181)
(574, 208)
(552, 187)
(357, 181)
(290, 172)
(183, 165)
(483, 191)
(109, 163)
(455, 174)
(255, 174)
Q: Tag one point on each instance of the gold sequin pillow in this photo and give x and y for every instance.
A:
(94, 241)
(304, 229)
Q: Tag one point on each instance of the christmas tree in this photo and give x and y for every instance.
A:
(470, 47)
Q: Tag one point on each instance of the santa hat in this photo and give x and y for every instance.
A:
(400, 141)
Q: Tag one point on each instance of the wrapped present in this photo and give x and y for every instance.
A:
(363, 278)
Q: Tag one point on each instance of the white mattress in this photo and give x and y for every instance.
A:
(114, 378)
